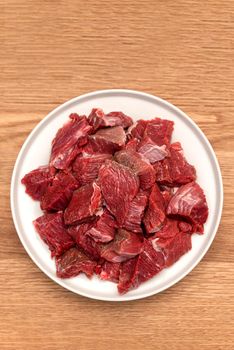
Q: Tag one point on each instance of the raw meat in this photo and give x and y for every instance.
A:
(68, 138)
(104, 228)
(173, 247)
(110, 271)
(86, 166)
(53, 232)
(174, 170)
(126, 245)
(89, 246)
(73, 262)
(138, 165)
(159, 131)
(189, 202)
(155, 213)
(58, 195)
(122, 204)
(84, 204)
(38, 180)
(119, 187)
(149, 150)
(137, 129)
(136, 211)
(141, 268)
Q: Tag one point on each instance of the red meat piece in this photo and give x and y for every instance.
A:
(138, 165)
(136, 211)
(125, 245)
(89, 246)
(86, 166)
(151, 151)
(104, 228)
(37, 181)
(110, 271)
(159, 131)
(132, 145)
(68, 138)
(95, 118)
(53, 232)
(119, 186)
(106, 141)
(140, 269)
(189, 202)
(84, 204)
(117, 118)
(58, 195)
(173, 247)
(155, 213)
(185, 226)
(137, 129)
(73, 262)
(169, 229)
(175, 170)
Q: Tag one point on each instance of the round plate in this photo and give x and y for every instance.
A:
(36, 150)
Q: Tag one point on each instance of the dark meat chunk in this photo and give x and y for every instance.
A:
(116, 119)
(53, 232)
(173, 247)
(37, 181)
(155, 213)
(86, 166)
(110, 271)
(73, 262)
(189, 202)
(136, 211)
(58, 195)
(174, 170)
(125, 245)
(95, 118)
(159, 131)
(104, 228)
(141, 268)
(138, 165)
(119, 187)
(68, 138)
(85, 203)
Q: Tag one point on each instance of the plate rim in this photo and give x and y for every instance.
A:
(88, 95)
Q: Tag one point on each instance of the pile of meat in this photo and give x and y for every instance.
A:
(118, 199)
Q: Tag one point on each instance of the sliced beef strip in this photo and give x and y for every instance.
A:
(38, 180)
(136, 211)
(119, 186)
(53, 232)
(174, 170)
(138, 165)
(173, 247)
(189, 202)
(86, 166)
(73, 262)
(85, 203)
(141, 268)
(58, 195)
(68, 138)
(125, 245)
(155, 213)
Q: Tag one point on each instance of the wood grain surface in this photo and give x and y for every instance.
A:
(182, 51)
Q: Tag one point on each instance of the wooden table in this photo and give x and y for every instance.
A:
(52, 51)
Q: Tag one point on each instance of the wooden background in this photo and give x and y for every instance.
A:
(51, 51)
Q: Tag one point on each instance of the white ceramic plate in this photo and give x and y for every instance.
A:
(36, 150)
